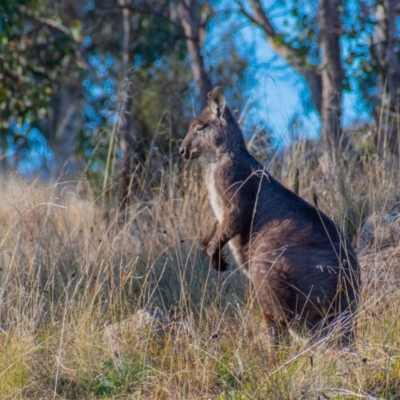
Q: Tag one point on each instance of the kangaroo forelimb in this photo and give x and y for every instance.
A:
(207, 239)
(218, 261)
(222, 234)
(217, 257)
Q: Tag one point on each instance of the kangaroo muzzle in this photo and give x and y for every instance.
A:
(188, 154)
(183, 151)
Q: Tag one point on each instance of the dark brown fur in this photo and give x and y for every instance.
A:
(302, 268)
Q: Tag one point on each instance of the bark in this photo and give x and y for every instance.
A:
(67, 124)
(314, 82)
(384, 51)
(125, 127)
(310, 73)
(332, 72)
(61, 128)
(194, 29)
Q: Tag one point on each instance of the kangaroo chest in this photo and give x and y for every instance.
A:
(215, 199)
(218, 208)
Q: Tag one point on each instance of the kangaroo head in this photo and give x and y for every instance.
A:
(208, 132)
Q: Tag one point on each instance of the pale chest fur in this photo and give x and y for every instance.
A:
(218, 208)
(215, 199)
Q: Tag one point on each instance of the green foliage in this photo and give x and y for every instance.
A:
(38, 54)
(119, 377)
(57, 57)
(14, 371)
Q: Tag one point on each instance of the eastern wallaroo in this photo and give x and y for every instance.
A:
(302, 268)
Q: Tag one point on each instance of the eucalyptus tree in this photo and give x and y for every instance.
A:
(338, 47)
(311, 46)
(40, 75)
(385, 54)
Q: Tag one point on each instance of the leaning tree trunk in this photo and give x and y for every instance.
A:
(194, 28)
(384, 50)
(332, 73)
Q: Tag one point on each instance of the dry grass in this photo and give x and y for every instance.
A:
(70, 272)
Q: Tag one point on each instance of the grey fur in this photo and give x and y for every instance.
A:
(301, 267)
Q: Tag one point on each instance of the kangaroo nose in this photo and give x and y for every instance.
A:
(182, 151)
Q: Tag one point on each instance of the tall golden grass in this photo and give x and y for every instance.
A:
(92, 307)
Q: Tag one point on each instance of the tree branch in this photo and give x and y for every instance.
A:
(310, 73)
(51, 24)
(134, 8)
(8, 72)
(261, 19)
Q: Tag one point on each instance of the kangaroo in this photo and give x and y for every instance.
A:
(302, 269)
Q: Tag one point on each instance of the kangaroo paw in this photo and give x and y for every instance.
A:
(218, 262)
(204, 245)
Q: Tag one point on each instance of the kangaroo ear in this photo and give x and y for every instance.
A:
(216, 101)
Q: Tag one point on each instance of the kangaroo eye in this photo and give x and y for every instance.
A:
(201, 128)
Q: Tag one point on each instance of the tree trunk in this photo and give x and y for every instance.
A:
(384, 51)
(194, 28)
(125, 136)
(314, 82)
(61, 129)
(332, 73)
